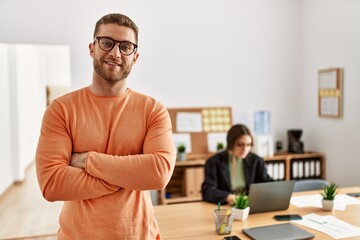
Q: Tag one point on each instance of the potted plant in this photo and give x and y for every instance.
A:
(219, 146)
(241, 207)
(328, 193)
(181, 152)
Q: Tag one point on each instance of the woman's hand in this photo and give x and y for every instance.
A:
(230, 199)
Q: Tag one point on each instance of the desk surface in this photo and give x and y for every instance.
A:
(195, 220)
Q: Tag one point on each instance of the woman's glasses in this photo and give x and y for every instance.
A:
(243, 145)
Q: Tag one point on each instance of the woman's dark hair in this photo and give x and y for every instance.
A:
(234, 133)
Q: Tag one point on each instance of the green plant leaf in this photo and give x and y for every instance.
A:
(329, 191)
(181, 148)
(242, 201)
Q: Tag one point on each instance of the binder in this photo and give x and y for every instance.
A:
(281, 171)
(270, 168)
(318, 168)
(300, 169)
(306, 169)
(312, 168)
(276, 171)
(295, 169)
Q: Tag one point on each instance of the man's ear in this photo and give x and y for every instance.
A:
(91, 49)
(136, 55)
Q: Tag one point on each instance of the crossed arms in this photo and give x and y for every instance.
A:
(67, 174)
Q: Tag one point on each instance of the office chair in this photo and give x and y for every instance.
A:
(309, 184)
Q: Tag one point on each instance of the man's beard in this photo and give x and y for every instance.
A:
(111, 76)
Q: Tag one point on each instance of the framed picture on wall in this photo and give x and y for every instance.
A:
(330, 93)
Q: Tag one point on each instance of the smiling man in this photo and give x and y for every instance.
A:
(103, 147)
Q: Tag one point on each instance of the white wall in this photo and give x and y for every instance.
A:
(257, 61)
(27, 101)
(55, 64)
(25, 72)
(331, 39)
(5, 137)
(266, 59)
(244, 54)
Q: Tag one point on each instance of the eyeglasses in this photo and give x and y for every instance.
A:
(242, 145)
(107, 44)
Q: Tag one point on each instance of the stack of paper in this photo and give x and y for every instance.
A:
(314, 200)
(329, 225)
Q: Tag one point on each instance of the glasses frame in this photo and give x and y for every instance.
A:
(244, 145)
(98, 38)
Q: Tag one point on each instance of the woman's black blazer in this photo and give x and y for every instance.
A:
(216, 186)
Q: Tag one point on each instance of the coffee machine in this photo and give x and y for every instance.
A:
(295, 145)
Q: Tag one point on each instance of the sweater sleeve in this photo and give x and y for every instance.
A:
(147, 171)
(58, 180)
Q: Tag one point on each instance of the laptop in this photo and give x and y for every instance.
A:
(285, 231)
(270, 196)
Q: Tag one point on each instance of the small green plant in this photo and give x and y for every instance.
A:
(219, 146)
(329, 191)
(242, 201)
(181, 148)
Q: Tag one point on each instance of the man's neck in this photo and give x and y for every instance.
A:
(104, 88)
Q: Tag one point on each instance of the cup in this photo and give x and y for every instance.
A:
(223, 221)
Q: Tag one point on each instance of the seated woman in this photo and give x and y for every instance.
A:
(232, 171)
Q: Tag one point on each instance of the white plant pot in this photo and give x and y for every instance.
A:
(240, 214)
(327, 205)
(181, 156)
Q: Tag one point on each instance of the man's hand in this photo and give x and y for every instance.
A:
(78, 160)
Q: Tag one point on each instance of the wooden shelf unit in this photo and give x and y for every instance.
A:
(185, 184)
(308, 157)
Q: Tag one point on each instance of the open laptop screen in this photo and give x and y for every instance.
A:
(270, 196)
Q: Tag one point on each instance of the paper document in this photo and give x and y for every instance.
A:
(314, 200)
(327, 80)
(329, 225)
(188, 122)
(183, 139)
(329, 105)
(215, 138)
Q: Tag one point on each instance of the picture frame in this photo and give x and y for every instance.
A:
(330, 92)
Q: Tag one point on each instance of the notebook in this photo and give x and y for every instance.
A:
(285, 231)
(270, 196)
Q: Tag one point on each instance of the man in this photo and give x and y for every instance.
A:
(103, 147)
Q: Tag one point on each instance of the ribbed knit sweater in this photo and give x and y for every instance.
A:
(130, 151)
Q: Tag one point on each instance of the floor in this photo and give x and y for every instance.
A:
(25, 214)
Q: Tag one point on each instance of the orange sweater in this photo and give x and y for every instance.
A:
(130, 151)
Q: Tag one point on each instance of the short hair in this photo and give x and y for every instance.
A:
(235, 132)
(119, 19)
